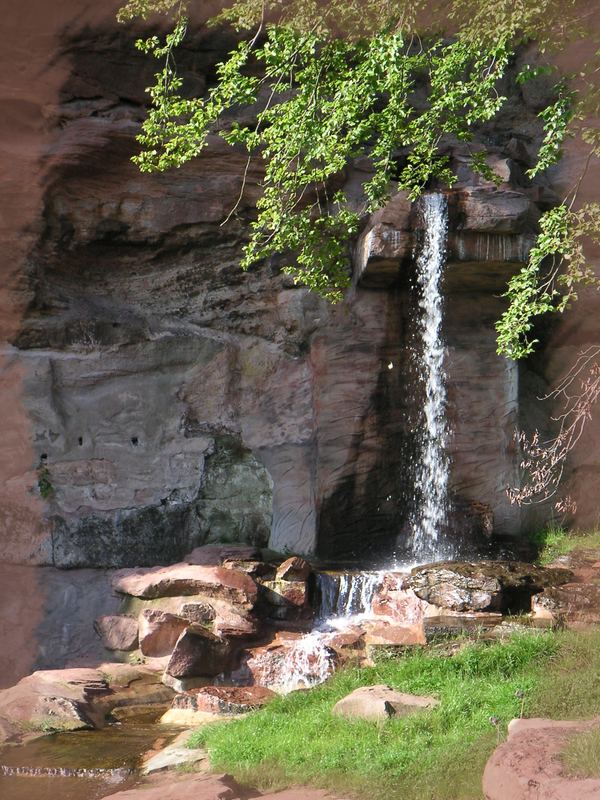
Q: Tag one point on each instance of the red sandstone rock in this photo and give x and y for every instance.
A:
(229, 622)
(381, 702)
(198, 653)
(118, 632)
(63, 697)
(187, 579)
(294, 569)
(576, 605)
(527, 766)
(224, 699)
(159, 632)
(393, 600)
(383, 633)
(198, 612)
(209, 787)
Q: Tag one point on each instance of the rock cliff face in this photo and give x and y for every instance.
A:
(156, 398)
(172, 400)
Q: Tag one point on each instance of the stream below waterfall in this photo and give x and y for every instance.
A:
(82, 765)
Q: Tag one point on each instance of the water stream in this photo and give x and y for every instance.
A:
(81, 765)
(432, 465)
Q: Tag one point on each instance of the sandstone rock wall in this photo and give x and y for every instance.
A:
(144, 373)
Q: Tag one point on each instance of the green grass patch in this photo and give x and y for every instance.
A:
(435, 755)
(556, 541)
(582, 756)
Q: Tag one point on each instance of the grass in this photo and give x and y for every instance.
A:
(582, 756)
(555, 541)
(435, 755)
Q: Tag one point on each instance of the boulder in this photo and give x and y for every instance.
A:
(62, 699)
(484, 586)
(285, 593)
(381, 702)
(575, 605)
(224, 699)
(198, 653)
(257, 569)
(187, 579)
(230, 623)
(159, 632)
(527, 765)
(118, 632)
(294, 569)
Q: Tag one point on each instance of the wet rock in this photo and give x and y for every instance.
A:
(575, 605)
(528, 765)
(393, 600)
(198, 653)
(159, 632)
(289, 662)
(285, 593)
(177, 754)
(224, 699)
(118, 632)
(294, 569)
(381, 702)
(188, 579)
(484, 586)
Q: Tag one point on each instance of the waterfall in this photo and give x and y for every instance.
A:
(432, 465)
(345, 594)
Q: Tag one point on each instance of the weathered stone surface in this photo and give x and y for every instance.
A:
(576, 605)
(381, 702)
(294, 569)
(285, 593)
(383, 633)
(198, 612)
(483, 586)
(188, 579)
(159, 632)
(528, 764)
(198, 653)
(118, 632)
(393, 600)
(224, 699)
(230, 622)
(62, 699)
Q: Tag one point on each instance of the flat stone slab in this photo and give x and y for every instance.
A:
(381, 702)
(527, 766)
(177, 754)
(188, 579)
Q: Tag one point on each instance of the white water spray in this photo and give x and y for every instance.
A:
(346, 594)
(432, 461)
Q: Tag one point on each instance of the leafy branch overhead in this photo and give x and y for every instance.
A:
(332, 82)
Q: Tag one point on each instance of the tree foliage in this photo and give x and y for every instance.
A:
(333, 81)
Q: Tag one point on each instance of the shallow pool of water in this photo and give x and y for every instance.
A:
(113, 755)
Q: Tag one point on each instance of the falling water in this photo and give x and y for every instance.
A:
(346, 594)
(431, 514)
